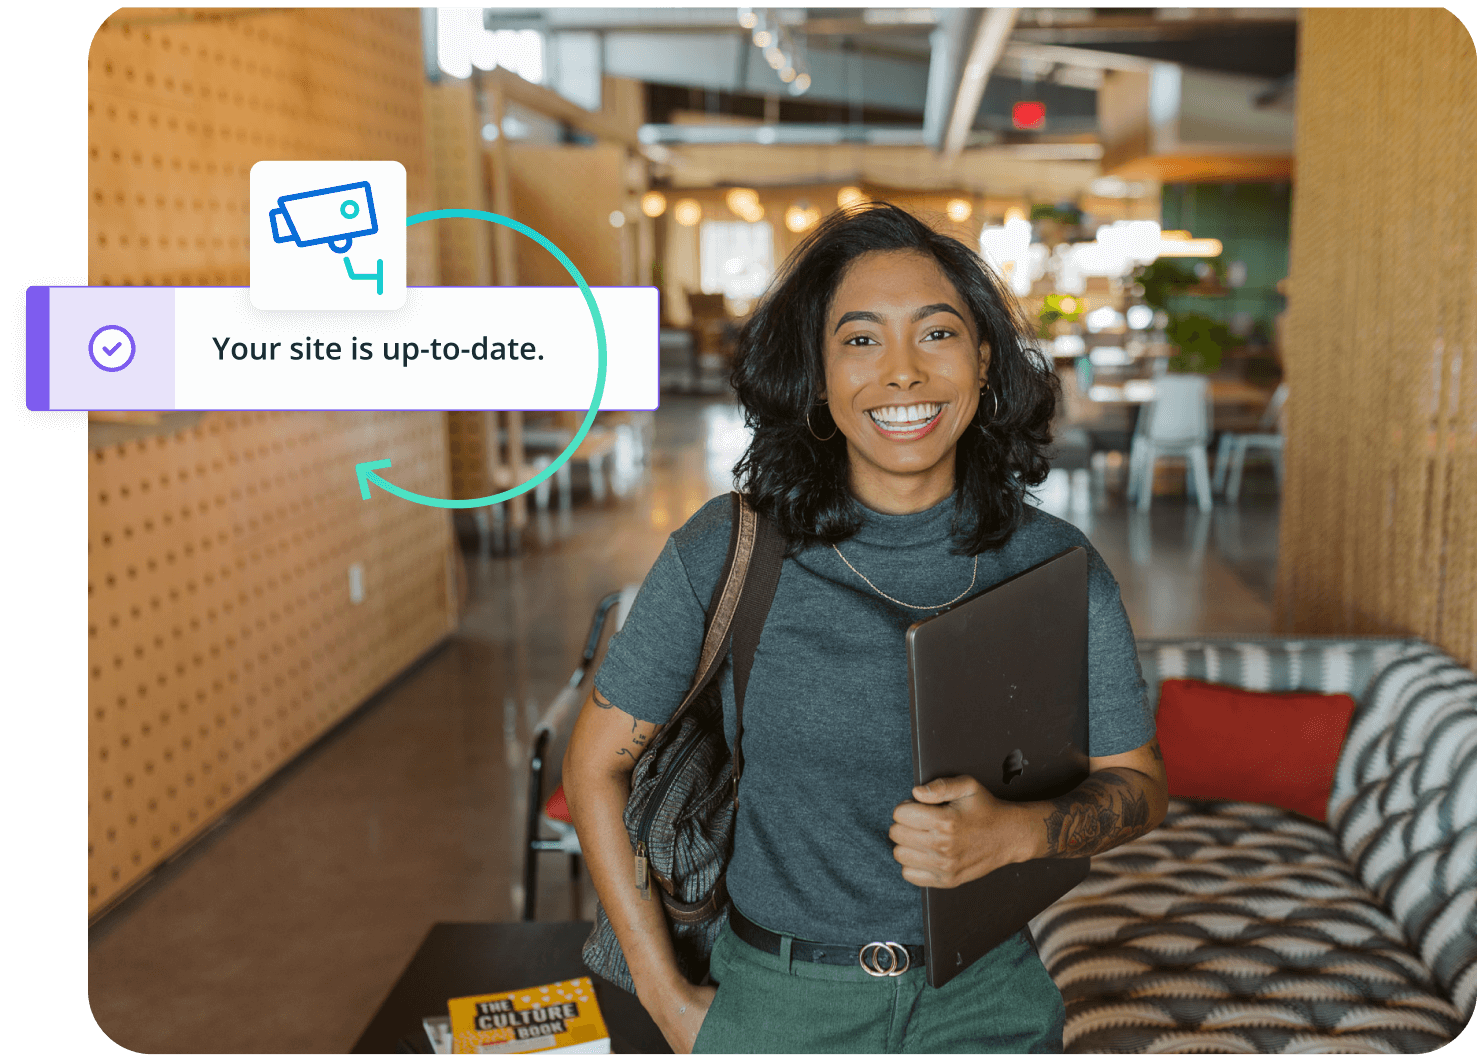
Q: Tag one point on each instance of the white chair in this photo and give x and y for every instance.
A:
(1175, 425)
(1230, 454)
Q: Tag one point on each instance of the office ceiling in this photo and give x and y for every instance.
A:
(870, 66)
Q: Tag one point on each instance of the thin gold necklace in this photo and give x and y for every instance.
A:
(916, 607)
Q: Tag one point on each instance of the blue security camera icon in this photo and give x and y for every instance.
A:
(332, 216)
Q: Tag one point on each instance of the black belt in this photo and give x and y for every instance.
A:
(881, 959)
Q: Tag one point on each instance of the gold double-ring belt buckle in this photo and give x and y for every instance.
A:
(898, 959)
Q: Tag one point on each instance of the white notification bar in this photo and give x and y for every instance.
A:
(448, 348)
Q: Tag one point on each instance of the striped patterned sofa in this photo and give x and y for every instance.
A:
(1237, 927)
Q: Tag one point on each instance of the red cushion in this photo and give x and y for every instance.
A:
(557, 809)
(1280, 748)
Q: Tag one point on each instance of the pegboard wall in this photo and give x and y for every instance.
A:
(182, 103)
(1380, 501)
(222, 634)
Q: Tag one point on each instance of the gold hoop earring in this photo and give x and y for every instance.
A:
(834, 427)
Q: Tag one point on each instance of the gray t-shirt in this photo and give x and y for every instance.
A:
(827, 741)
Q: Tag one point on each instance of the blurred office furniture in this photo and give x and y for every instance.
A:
(488, 455)
(713, 341)
(555, 722)
(1175, 425)
(612, 450)
(709, 322)
(1230, 456)
(1071, 449)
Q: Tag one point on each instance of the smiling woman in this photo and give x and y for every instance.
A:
(898, 418)
(888, 368)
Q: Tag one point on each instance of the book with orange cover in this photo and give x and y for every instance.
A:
(561, 1016)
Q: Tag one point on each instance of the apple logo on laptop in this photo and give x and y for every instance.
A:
(1014, 765)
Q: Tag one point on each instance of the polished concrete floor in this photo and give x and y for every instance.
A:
(283, 929)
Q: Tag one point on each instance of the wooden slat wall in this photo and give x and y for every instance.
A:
(222, 639)
(1379, 518)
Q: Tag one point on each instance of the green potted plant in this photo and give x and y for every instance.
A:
(1197, 338)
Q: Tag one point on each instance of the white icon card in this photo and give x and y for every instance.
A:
(327, 235)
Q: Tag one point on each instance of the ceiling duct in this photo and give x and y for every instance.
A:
(965, 48)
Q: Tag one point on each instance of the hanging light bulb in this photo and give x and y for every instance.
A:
(653, 203)
(687, 212)
(744, 203)
(850, 197)
(958, 210)
(801, 217)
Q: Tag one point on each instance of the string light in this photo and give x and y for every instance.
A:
(958, 210)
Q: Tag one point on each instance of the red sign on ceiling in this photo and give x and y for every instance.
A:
(1028, 116)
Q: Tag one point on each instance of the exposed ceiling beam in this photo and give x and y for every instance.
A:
(551, 104)
(991, 32)
(1147, 29)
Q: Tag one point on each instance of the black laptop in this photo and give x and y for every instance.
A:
(999, 692)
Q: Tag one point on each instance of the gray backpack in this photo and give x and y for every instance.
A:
(684, 789)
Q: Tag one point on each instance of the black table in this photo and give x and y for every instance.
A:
(467, 959)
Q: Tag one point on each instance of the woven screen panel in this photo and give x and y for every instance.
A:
(453, 127)
(1381, 338)
(222, 636)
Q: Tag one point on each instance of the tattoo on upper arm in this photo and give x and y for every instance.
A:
(601, 702)
(1154, 750)
(1106, 809)
(638, 741)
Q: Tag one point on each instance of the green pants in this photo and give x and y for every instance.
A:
(1005, 1001)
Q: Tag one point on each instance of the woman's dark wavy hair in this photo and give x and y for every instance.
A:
(801, 482)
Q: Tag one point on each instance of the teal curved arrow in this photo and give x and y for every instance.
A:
(365, 471)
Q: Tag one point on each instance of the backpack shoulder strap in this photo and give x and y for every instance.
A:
(748, 623)
(725, 601)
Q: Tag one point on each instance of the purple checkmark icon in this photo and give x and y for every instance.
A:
(103, 354)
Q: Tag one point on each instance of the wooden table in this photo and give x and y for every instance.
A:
(467, 959)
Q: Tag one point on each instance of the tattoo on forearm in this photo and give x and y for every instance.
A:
(1106, 809)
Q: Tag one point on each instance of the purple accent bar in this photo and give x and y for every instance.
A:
(38, 347)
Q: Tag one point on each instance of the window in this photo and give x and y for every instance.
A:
(736, 258)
